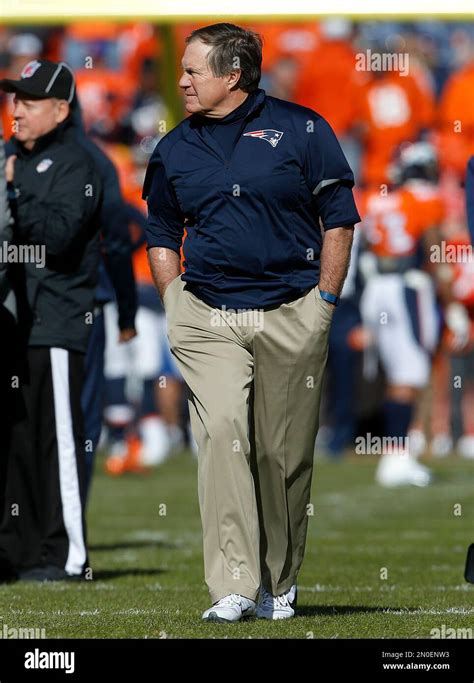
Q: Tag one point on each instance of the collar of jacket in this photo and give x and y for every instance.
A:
(43, 142)
(253, 102)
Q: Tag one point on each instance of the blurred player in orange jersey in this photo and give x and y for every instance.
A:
(433, 419)
(461, 355)
(298, 39)
(139, 42)
(394, 108)
(107, 60)
(398, 305)
(330, 78)
(330, 84)
(147, 359)
(456, 120)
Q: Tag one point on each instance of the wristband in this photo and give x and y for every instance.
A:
(327, 296)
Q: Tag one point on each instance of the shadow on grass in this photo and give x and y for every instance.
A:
(338, 610)
(127, 545)
(105, 574)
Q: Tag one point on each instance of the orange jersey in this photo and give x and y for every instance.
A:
(393, 224)
(329, 80)
(140, 41)
(394, 109)
(105, 95)
(463, 270)
(462, 287)
(456, 121)
(432, 207)
(136, 42)
(6, 118)
(298, 39)
(454, 200)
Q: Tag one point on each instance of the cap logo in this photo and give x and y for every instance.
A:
(43, 165)
(30, 69)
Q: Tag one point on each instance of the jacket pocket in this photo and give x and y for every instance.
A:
(326, 310)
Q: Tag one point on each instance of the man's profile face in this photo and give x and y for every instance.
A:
(34, 118)
(203, 92)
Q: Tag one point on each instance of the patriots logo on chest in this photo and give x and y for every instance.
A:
(269, 134)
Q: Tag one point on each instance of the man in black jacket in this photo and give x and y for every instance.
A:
(8, 327)
(116, 281)
(56, 195)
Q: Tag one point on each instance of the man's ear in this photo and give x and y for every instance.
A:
(63, 110)
(233, 79)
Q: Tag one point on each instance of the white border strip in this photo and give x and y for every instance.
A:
(214, 9)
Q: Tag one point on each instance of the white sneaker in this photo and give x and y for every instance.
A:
(441, 445)
(155, 448)
(230, 609)
(465, 446)
(398, 469)
(418, 443)
(276, 607)
(176, 438)
(118, 449)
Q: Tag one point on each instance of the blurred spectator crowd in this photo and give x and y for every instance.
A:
(329, 66)
(379, 84)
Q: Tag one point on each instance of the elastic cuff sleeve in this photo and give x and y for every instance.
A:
(164, 242)
(345, 223)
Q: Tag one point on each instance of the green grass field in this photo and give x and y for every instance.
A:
(148, 574)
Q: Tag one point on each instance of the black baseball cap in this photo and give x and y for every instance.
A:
(43, 79)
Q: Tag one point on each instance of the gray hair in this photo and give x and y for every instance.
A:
(232, 47)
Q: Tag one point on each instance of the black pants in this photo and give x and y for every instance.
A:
(10, 350)
(43, 514)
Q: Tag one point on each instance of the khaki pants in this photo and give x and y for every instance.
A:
(255, 380)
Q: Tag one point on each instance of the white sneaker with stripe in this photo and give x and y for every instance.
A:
(230, 609)
(277, 606)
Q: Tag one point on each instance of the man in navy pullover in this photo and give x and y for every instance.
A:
(254, 180)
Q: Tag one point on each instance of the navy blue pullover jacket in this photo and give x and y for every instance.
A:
(252, 216)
